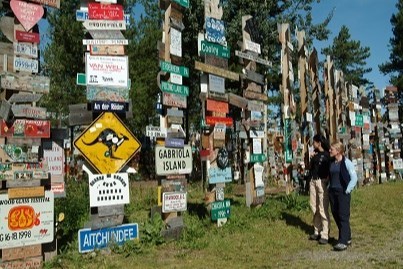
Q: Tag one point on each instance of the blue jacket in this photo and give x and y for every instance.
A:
(348, 176)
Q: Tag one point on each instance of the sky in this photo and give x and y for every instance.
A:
(368, 22)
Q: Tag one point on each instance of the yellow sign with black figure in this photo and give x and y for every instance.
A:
(107, 144)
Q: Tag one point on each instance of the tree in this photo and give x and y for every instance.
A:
(349, 57)
(394, 66)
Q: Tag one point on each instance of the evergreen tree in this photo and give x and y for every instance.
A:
(349, 57)
(394, 66)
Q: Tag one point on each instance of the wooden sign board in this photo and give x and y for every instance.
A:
(26, 192)
(256, 106)
(216, 61)
(80, 118)
(97, 222)
(111, 210)
(212, 8)
(255, 96)
(26, 83)
(174, 100)
(237, 100)
(5, 109)
(216, 84)
(32, 263)
(214, 120)
(217, 106)
(7, 27)
(122, 42)
(218, 96)
(252, 57)
(6, 48)
(50, 3)
(216, 71)
(28, 14)
(25, 111)
(104, 25)
(24, 98)
(175, 120)
(253, 76)
(252, 86)
(6, 62)
(106, 34)
(10, 254)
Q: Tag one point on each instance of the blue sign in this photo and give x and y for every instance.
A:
(109, 106)
(89, 240)
(218, 175)
(215, 31)
(82, 15)
(174, 142)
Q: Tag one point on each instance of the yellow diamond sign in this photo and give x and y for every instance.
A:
(107, 144)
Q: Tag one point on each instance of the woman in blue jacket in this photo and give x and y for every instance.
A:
(343, 179)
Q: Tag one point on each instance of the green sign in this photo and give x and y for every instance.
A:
(171, 68)
(173, 88)
(214, 49)
(220, 209)
(359, 120)
(81, 79)
(184, 3)
(257, 158)
(288, 156)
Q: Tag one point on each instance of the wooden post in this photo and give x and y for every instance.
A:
(316, 90)
(330, 99)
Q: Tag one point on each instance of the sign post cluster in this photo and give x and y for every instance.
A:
(217, 125)
(173, 156)
(31, 157)
(107, 144)
(253, 128)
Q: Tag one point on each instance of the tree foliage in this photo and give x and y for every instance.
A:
(394, 66)
(349, 56)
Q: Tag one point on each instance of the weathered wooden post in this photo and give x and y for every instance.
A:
(330, 97)
(316, 90)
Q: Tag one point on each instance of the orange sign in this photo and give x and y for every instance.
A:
(217, 106)
(22, 218)
(107, 144)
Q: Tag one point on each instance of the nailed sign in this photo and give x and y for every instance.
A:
(110, 189)
(27, 37)
(26, 49)
(174, 100)
(26, 65)
(104, 25)
(107, 70)
(99, 11)
(170, 161)
(27, 14)
(29, 111)
(174, 202)
(107, 144)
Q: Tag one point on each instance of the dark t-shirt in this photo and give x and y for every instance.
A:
(320, 165)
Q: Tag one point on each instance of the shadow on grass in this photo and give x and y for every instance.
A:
(197, 209)
(296, 222)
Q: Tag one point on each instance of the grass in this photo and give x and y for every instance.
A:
(271, 236)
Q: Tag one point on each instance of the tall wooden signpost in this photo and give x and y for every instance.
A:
(24, 129)
(216, 124)
(107, 144)
(173, 157)
(254, 128)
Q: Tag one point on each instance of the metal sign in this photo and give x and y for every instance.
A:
(26, 49)
(122, 42)
(214, 49)
(171, 68)
(25, 65)
(218, 175)
(99, 11)
(173, 88)
(82, 15)
(110, 189)
(89, 240)
(174, 202)
(104, 25)
(117, 107)
(107, 70)
(27, 37)
(216, 84)
(170, 161)
(154, 131)
(26, 221)
(175, 47)
(220, 209)
(107, 144)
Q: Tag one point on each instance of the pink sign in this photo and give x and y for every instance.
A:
(27, 14)
(98, 11)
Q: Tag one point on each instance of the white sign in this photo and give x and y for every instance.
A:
(175, 47)
(27, 65)
(258, 171)
(107, 70)
(176, 79)
(26, 221)
(55, 159)
(256, 134)
(26, 49)
(170, 161)
(106, 34)
(252, 46)
(154, 131)
(104, 25)
(257, 146)
(397, 164)
(111, 189)
(105, 42)
(174, 202)
(216, 84)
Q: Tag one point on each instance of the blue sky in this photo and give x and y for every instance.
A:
(368, 22)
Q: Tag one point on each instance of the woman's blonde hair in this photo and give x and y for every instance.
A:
(339, 146)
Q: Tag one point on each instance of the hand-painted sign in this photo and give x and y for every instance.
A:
(220, 209)
(174, 202)
(107, 144)
(107, 70)
(27, 37)
(213, 120)
(26, 128)
(252, 46)
(26, 221)
(29, 111)
(27, 14)
(217, 106)
(218, 175)
(82, 15)
(215, 31)
(251, 57)
(99, 11)
(170, 161)
(54, 157)
(175, 47)
(106, 34)
(117, 107)
(38, 84)
(107, 50)
(110, 189)
(89, 240)
(174, 100)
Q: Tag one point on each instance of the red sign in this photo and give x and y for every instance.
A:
(27, 14)
(98, 11)
(214, 120)
(6, 131)
(27, 37)
(37, 128)
(217, 106)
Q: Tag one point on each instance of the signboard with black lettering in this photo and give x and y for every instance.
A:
(174, 202)
(110, 189)
(117, 107)
(170, 161)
